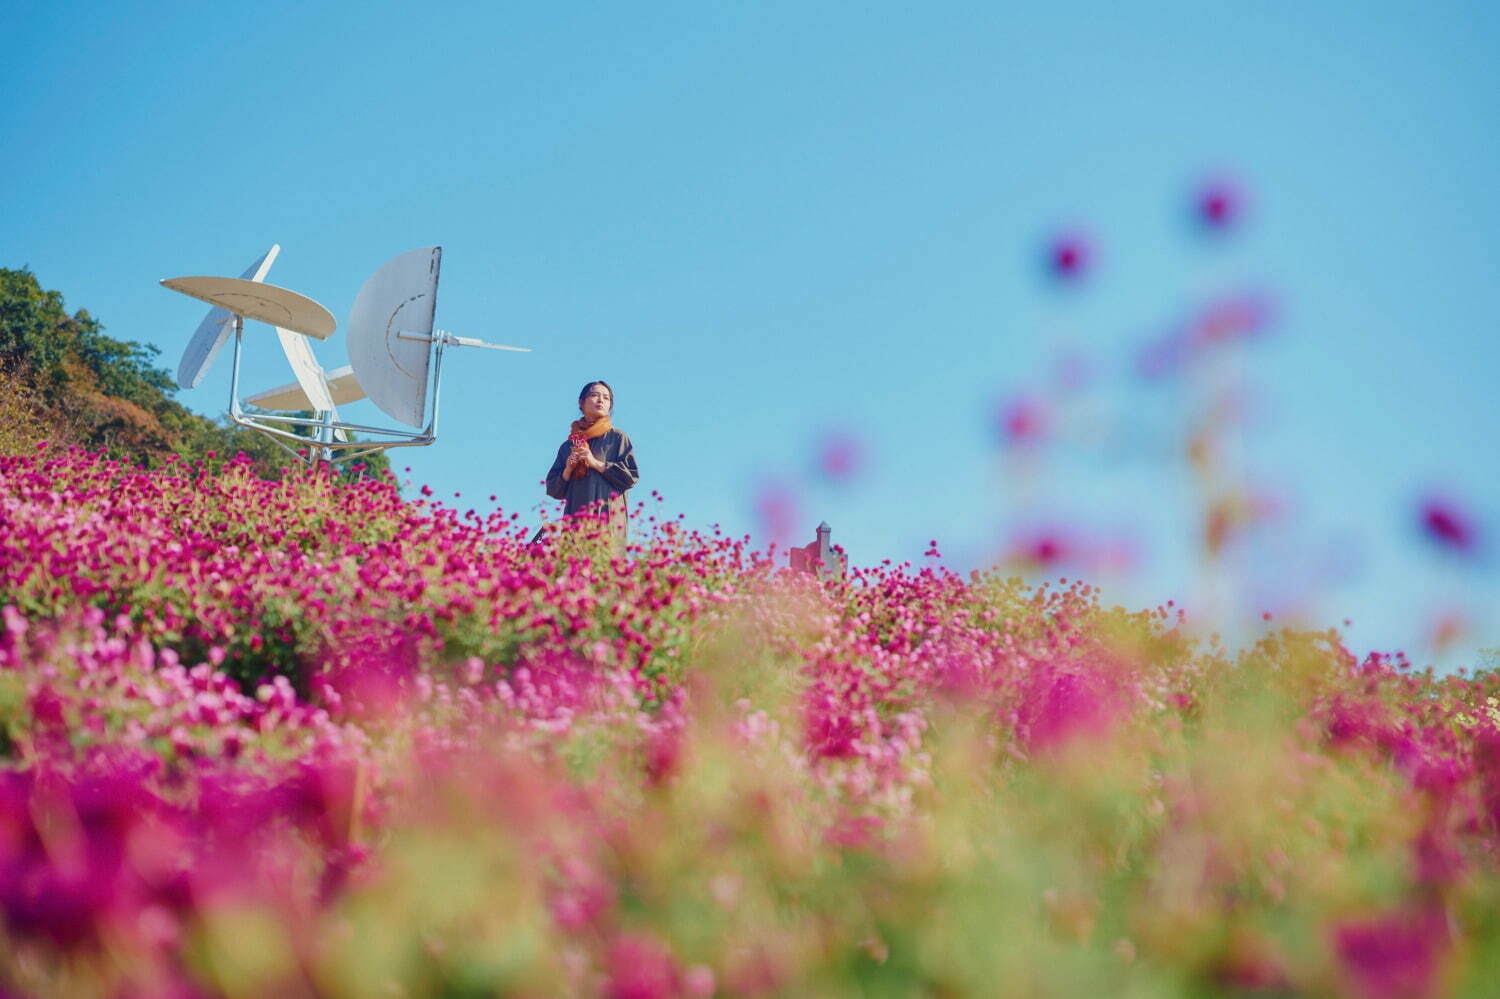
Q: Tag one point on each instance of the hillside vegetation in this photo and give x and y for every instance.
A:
(303, 738)
(64, 381)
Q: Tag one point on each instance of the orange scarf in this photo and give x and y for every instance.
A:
(578, 434)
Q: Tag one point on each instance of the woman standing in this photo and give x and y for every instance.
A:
(595, 466)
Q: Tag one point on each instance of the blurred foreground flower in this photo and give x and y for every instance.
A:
(1218, 204)
(840, 457)
(1070, 255)
(1229, 319)
(777, 511)
(1022, 421)
(1056, 548)
(1448, 525)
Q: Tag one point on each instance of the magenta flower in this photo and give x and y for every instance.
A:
(1043, 549)
(1448, 525)
(1219, 204)
(1022, 421)
(227, 694)
(1063, 705)
(640, 967)
(1397, 956)
(1069, 256)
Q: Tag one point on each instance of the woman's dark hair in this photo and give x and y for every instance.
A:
(584, 394)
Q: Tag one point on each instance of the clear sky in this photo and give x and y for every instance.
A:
(777, 226)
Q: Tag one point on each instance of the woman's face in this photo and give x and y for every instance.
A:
(596, 403)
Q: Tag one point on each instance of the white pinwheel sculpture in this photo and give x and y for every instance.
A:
(396, 355)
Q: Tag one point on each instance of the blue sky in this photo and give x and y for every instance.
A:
(769, 223)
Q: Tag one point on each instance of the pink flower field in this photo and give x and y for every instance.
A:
(307, 738)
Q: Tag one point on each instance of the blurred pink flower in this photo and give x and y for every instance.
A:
(580, 895)
(1448, 525)
(1052, 547)
(841, 456)
(1219, 204)
(1446, 628)
(1233, 318)
(1395, 956)
(1239, 316)
(1069, 256)
(640, 967)
(1022, 421)
(1065, 704)
(777, 509)
(698, 982)
(1043, 549)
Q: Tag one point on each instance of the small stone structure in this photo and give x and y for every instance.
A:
(820, 557)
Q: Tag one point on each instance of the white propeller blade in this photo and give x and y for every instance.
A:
(211, 334)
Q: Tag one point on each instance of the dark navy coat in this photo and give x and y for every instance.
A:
(620, 472)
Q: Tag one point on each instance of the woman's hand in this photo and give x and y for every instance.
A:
(581, 460)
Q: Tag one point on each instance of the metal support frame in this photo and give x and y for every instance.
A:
(325, 445)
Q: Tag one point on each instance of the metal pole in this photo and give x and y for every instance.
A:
(325, 436)
(437, 391)
(234, 377)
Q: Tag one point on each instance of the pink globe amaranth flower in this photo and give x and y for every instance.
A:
(698, 982)
(1047, 550)
(1436, 859)
(66, 868)
(1069, 256)
(1050, 547)
(1240, 316)
(854, 832)
(1021, 421)
(1448, 525)
(641, 967)
(777, 510)
(1233, 318)
(1218, 204)
(1447, 628)
(663, 751)
(321, 796)
(580, 896)
(875, 659)
(1043, 548)
(841, 457)
(1395, 956)
(1062, 705)
(1251, 964)
(831, 732)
